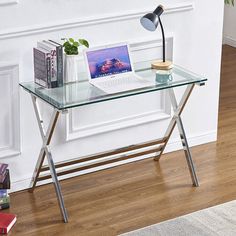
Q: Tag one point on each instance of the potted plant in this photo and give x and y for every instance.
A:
(71, 49)
(229, 2)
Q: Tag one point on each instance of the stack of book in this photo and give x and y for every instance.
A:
(6, 222)
(4, 186)
(48, 64)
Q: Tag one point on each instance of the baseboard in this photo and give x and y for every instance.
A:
(229, 41)
(195, 140)
(173, 145)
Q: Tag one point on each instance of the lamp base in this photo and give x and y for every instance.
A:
(160, 65)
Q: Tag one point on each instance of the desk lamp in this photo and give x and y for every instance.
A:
(150, 22)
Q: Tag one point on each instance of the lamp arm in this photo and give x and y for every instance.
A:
(163, 41)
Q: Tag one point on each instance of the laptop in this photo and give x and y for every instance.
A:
(110, 69)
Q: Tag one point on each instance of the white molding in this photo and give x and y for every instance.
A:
(162, 113)
(12, 72)
(88, 21)
(229, 41)
(109, 126)
(173, 145)
(8, 2)
(194, 140)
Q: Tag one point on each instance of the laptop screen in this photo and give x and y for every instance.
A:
(109, 61)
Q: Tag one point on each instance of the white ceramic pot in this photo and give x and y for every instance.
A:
(71, 68)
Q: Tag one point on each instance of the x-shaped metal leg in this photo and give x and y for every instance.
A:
(47, 135)
(178, 108)
(45, 151)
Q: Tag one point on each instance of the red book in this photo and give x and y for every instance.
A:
(6, 222)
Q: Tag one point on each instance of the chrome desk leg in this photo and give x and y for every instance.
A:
(178, 108)
(56, 184)
(45, 151)
(184, 139)
(177, 113)
(46, 137)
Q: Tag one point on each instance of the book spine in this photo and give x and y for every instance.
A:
(46, 45)
(3, 193)
(40, 67)
(48, 68)
(4, 206)
(3, 168)
(60, 66)
(60, 73)
(3, 176)
(54, 68)
(7, 183)
(3, 230)
(5, 200)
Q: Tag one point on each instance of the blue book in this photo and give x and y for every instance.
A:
(3, 193)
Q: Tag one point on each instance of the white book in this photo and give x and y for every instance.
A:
(52, 49)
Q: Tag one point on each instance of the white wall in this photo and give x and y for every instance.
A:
(229, 26)
(194, 41)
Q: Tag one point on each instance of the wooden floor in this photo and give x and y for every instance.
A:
(132, 196)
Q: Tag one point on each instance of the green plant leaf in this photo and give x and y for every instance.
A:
(229, 2)
(84, 42)
(76, 44)
(66, 44)
(71, 40)
(71, 46)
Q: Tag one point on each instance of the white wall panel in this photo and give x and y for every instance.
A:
(9, 105)
(46, 16)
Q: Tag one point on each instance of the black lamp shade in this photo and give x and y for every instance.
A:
(149, 21)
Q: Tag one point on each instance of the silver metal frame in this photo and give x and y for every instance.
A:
(45, 151)
(183, 137)
(176, 119)
(47, 136)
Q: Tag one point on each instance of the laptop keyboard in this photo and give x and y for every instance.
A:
(124, 83)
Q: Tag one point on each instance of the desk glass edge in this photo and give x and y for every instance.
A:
(122, 95)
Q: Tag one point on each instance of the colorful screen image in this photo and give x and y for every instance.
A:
(109, 61)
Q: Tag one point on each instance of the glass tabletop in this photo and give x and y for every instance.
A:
(83, 93)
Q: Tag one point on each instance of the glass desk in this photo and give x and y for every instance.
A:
(77, 94)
